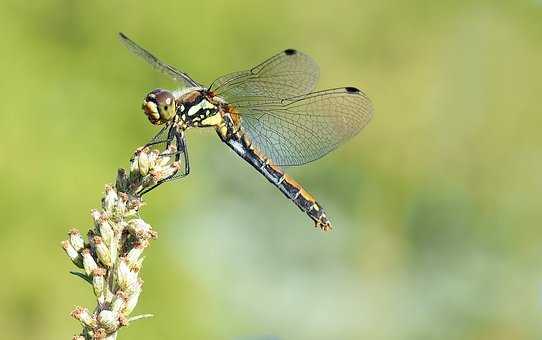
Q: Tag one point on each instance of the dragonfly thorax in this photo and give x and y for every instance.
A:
(197, 109)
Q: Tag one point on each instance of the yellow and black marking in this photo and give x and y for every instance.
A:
(240, 142)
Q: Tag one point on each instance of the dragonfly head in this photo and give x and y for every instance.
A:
(159, 106)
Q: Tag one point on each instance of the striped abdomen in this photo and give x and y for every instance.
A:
(242, 145)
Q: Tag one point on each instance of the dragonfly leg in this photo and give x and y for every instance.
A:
(181, 149)
(157, 136)
(157, 139)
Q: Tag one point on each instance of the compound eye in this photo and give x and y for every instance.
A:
(167, 106)
(159, 106)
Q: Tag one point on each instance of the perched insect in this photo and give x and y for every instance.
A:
(268, 115)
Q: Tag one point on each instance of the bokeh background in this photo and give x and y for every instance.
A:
(436, 204)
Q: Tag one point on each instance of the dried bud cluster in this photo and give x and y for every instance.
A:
(111, 258)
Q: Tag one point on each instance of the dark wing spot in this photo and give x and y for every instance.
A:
(350, 89)
(290, 51)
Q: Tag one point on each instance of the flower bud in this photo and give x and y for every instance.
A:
(126, 278)
(143, 163)
(120, 208)
(132, 299)
(103, 252)
(110, 199)
(76, 239)
(133, 255)
(76, 258)
(106, 231)
(140, 229)
(88, 261)
(119, 302)
(108, 321)
(153, 157)
(98, 281)
(83, 315)
(134, 168)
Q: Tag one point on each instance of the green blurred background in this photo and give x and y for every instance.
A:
(436, 205)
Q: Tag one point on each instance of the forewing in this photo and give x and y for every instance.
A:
(301, 129)
(286, 74)
(156, 63)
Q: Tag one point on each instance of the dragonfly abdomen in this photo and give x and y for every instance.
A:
(242, 145)
(303, 200)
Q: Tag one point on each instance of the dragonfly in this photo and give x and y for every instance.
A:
(270, 115)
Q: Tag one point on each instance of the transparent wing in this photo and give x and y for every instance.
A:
(286, 74)
(301, 129)
(156, 63)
